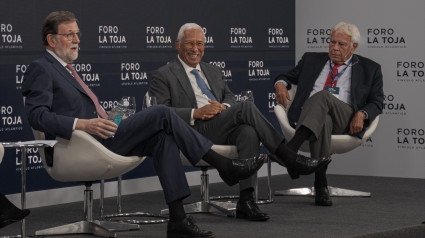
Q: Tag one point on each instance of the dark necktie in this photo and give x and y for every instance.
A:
(329, 79)
(202, 85)
(93, 97)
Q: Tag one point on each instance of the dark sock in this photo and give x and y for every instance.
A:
(216, 160)
(286, 154)
(246, 194)
(176, 209)
(320, 180)
(301, 134)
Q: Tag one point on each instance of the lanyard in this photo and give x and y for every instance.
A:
(335, 78)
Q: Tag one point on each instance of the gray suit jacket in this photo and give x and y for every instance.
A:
(171, 86)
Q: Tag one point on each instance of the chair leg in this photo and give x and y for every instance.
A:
(269, 198)
(258, 200)
(207, 206)
(129, 224)
(82, 227)
(333, 191)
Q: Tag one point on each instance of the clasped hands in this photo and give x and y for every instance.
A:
(209, 111)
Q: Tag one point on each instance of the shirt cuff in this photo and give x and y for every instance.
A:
(281, 81)
(367, 115)
(192, 120)
(75, 123)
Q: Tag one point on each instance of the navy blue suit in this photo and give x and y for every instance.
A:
(54, 99)
(366, 84)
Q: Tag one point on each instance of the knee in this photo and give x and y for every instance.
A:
(160, 109)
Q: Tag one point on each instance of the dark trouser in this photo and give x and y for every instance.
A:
(158, 132)
(244, 126)
(324, 115)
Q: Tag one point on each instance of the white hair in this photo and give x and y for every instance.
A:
(188, 26)
(348, 29)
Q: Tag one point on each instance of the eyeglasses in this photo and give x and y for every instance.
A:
(191, 44)
(70, 36)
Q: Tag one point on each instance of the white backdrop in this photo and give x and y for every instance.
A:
(393, 34)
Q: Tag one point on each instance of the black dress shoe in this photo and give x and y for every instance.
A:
(12, 215)
(185, 229)
(250, 211)
(321, 196)
(241, 169)
(305, 165)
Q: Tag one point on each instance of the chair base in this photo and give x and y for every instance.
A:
(151, 218)
(226, 208)
(97, 228)
(333, 191)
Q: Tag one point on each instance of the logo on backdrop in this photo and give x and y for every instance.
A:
(385, 38)
(132, 75)
(20, 70)
(33, 160)
(85, 72)
(209, 40)
(108, 105)
(10, 120)
(240, 38)
(393, 106)
(410, 138)
(111, 38)
(272, 101)
(277, 38)
(410, 71)
(318, 38)
(227, 73)
(8, 38)
(156, 38)
(257, 71)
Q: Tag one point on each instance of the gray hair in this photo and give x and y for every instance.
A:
(188, 26)
(348, 29)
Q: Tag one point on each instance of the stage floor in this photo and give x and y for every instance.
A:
(396, 205)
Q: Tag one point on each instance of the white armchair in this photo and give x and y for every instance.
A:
(339, 144)
(84, 159)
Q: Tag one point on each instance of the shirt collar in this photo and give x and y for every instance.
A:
(186, 67)
(345, 63)
(57, 58)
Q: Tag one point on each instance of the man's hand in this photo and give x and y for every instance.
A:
(357, 123)
(209, 111)
(282, 94)
(97, 126)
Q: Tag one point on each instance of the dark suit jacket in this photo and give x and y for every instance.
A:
(53, 99)
(366, 84)
(171, 86)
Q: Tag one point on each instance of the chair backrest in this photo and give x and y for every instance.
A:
(1, 152)
(339, 143)
(83, 158)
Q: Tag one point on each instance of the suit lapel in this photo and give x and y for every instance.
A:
(64, 72)
(316, 69)
(180, 74)
(211, 77)
(356, 72)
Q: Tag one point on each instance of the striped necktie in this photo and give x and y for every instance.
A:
(202, 85)
(93, 97)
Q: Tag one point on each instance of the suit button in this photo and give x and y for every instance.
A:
(95, 113)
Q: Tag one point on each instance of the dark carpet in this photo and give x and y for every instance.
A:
(396, 209)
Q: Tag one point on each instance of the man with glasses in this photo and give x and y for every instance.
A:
(337, 93)
(58, 102)
(197, 92)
